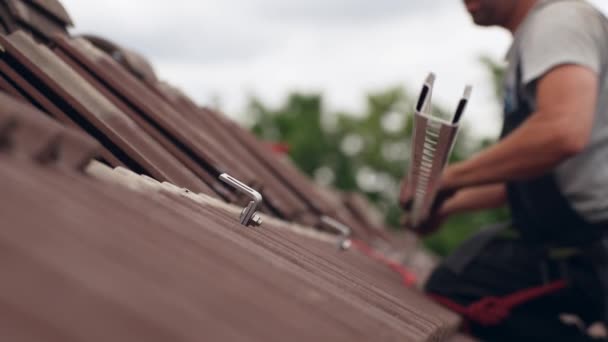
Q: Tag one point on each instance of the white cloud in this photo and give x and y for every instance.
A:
(233, 48)
(341, 12)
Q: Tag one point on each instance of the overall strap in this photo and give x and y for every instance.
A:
(539, 209)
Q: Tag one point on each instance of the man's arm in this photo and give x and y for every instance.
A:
(466, 200)
(560, 128)
(477, 198)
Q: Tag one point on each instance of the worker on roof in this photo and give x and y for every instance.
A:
(513, 281)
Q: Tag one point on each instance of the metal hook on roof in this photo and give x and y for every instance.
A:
(345, 242)
(249, 215)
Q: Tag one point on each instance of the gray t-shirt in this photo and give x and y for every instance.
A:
(559, 32)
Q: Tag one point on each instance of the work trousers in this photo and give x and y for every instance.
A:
(494, 264)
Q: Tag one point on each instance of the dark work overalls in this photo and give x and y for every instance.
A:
(548, 260)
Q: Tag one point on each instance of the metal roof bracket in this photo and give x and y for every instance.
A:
(249, 215)
(345, 242)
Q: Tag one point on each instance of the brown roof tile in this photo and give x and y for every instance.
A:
(9, 22)
(36, 137)
(36, 19)
(160, 268)
(14, 84)
(279, 197)
(163, 263)
(196, 144)
(89, 109)
(55, 9)
(139, 66)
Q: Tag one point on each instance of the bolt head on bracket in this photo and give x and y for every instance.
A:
(345, 244)
(255, 221)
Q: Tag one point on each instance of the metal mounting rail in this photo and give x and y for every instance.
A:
(432, 144)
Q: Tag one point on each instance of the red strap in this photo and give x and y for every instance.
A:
(408, 278)
(493, 310)
(279, 148)
(486, 311)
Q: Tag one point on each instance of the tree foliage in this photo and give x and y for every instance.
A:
(366, 152)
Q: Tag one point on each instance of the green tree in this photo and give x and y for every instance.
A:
(366, 151)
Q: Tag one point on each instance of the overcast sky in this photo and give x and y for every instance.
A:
(232, 49)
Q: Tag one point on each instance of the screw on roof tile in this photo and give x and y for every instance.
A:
(345, 242)
(249, 215)
(256, 220)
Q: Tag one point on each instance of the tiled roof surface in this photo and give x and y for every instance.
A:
(98, 252)
(40, 18)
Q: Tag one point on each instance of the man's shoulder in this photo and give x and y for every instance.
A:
(560, 32)
(565, 11)
(563, 19)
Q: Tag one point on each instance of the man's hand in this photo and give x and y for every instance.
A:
(428, 226)
(406, 195)
(437, 215)
(450, 202)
